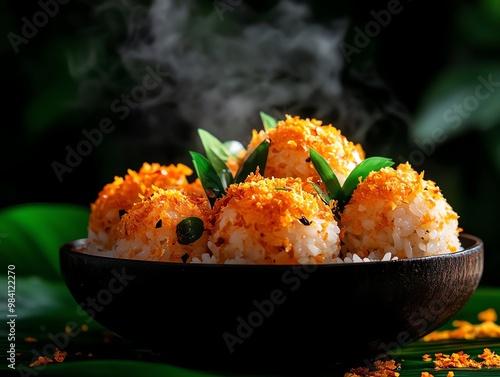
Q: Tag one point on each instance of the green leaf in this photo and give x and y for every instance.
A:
(324, 196)
(258, 158)
(326, 173)
(189, 230)
(210, 180)
(31, 234)
(360, 172)
(217, 154)
(268, 121)
(213, 146)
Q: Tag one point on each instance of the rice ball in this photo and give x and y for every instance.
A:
(397, 211)
(289, 149)
(148, 231)
(272, 221)
(117, 197)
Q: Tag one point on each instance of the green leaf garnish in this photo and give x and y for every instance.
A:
(324, 196)
(268, 121)
(213, 170)
(258, 158)
(217, 154)
(360, 172)
(213, 146)
(189, 230)
(326, 173)
(210, 180)
(342, 194)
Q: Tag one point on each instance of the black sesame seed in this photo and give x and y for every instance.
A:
(159, 224)
(304, 220)
(185, 257)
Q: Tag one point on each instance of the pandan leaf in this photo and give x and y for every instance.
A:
(342, 194)
(189, 230)
(217, 154)
(268, 121)
(257, 158)
(209, 178)
(360, 172)
(326, 173)
(213, 146)
(323, 195)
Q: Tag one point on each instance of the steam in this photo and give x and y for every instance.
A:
(225, 71)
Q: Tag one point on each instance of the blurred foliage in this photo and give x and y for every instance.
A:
(63, 80)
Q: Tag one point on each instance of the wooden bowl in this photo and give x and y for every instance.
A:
(273, 318)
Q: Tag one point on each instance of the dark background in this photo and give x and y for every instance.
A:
(228, 60)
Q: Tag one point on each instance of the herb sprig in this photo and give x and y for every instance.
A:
(341, 194)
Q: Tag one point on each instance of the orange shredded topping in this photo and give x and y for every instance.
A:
(42, 360)
(455, 360)
(58, 356)
(383, 369)
(263, 207)
(426, 357)
(144, 218)
(30, 339)
(490, 358)
(289, 150)
(382, 192)
(462, 360)
(466, 330)
(123, 192)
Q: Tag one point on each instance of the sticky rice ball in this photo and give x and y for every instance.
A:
(399, 212)
(289, 150)
(116, 198)
(272, 221)
(148, 231)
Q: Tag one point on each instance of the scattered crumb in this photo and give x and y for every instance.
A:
(58, 356)
(462, 360)
(455, 360)
(384, 369)
(30, 339)
(490, 358)
(487, 328)
(42, 360)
